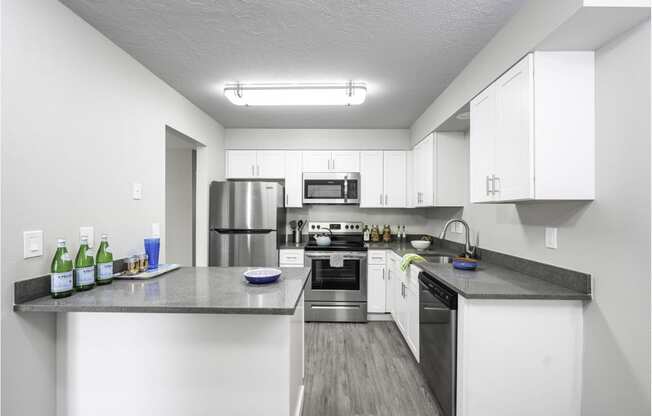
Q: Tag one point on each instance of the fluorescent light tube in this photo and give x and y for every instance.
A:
(349, 93)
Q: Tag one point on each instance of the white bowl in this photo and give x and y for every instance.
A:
(420, 244)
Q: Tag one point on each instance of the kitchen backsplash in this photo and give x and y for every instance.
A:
(416, 220)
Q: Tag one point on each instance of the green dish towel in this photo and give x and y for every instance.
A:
(410, 258)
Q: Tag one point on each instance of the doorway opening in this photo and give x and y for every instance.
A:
(180, 197)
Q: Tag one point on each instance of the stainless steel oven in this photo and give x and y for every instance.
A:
(331, 188)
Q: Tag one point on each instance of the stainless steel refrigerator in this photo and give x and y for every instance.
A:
(247, 223)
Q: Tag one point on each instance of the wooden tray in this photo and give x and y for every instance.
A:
(162, 269)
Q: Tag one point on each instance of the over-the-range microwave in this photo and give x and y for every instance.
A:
(331, 188)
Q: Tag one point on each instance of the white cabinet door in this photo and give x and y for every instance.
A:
(371, 178)
(401, 308)
(481, 146)
(394, 179)
(345, 161)
(241, 163)
(391, 281)
(293, 180)
(514, 140)
(427, 167)
(424, 161)
(412, 306)
(270, 164)
(376, 288)
(316, 161)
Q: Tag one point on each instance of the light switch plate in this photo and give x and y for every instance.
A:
(551, 237)
(137, 192)
(32, 244)
(89, 233)
(156, 229)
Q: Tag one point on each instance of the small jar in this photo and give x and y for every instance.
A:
(143, 262)
(132, 265)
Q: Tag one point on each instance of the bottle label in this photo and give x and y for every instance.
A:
(85, 275)
(61, 282)
(104, 271)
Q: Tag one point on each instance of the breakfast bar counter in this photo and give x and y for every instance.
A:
(195, 341)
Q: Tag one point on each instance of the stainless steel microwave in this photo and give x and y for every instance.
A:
(331, 188)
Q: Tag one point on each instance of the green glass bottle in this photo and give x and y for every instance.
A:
(104, 261)
(84, 267)
(61, 272)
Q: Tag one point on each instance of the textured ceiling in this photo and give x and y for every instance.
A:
(407, 51)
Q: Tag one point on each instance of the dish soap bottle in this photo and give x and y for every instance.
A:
(61, 272)
(104, 260)
(365, 233)
(84, 267)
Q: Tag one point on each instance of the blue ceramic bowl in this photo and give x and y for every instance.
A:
(262, 276)
(463, 263)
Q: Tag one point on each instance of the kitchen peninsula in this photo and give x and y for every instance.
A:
(194, 341)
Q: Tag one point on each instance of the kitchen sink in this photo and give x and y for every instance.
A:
(442, 259)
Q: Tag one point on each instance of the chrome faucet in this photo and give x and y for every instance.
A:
(469, 250)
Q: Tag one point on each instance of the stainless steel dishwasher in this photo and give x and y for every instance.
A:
(438, 340)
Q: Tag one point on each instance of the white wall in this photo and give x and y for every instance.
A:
(609, 237)
(82, 121)
(316, 139)
(178, 206)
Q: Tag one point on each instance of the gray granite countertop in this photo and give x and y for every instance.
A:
(210, 290)
(492, 280)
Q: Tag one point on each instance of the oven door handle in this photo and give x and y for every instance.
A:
(334, 307)
(327, 255)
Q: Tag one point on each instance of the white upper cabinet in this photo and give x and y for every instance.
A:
(327, 161)
(395, 179)
(293, 179)
(241, 164)
(532, 133)
(371, 174)
(271, 164)
(248, 164)
(383, 177)
(345, 161)
(316, 161)
(439, 171)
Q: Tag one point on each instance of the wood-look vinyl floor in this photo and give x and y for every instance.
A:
(362, 370)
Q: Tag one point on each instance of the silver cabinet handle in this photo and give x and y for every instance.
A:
(257, 170)
(385, 199)
(487, 187)
(333, 163)
(252, 171)
(494, 188)
(389, 274)
(381, 199)
(383, 273)
(329, 164)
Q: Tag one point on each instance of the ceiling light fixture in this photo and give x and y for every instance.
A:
(347, 93)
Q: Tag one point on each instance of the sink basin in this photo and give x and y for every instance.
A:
(438, 259)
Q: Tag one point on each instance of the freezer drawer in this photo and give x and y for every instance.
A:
(237, 248)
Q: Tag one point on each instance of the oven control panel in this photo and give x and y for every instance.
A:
(336, 227)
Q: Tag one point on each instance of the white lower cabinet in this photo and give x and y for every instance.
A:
(376, 288)
(519, 357)
(290, 258)
(404, 301)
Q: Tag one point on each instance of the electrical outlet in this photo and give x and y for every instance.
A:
(551, 237)
(137, 192)
(89, 233)
(459, 228)
(156, 229)
(32, 244)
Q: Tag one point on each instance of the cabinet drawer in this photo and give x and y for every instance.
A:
(376, 257)
(290, 257)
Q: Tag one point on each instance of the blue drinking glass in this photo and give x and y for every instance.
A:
(152, 246)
